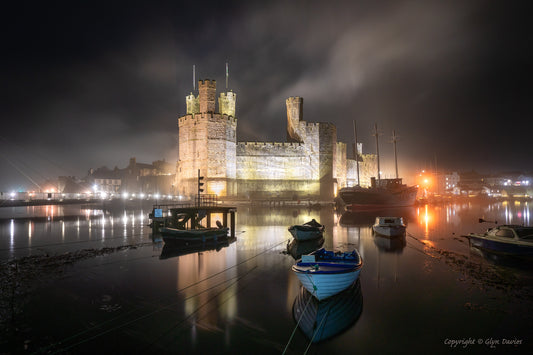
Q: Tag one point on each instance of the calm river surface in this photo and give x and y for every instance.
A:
(78, 280)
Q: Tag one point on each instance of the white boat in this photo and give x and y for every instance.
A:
(325, 273)
(512, 240)
(389, 226)
(307, 231)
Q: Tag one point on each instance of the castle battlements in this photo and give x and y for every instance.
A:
(207, 83)
(274, 144)
(204, 116)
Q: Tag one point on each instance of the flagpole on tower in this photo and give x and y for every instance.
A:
(227, 75)
(194, 77)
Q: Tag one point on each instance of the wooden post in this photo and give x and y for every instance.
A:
(232, 215)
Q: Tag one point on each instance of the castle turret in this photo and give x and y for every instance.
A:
(226, 103)
(207, 95)
(193, 105)
(294, 116)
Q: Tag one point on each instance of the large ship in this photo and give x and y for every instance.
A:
(382, 193)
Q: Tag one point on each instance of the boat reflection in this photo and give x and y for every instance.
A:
(363, 218)
(390, 244)
(298, 248)
(321, 320)
(367, 218)
(173, 250)
(525, 263)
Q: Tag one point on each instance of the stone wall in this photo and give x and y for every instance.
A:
(264, 189)
(327, 158)
(273, 161)
(341, 163)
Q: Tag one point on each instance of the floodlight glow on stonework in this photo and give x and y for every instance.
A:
(217, 188)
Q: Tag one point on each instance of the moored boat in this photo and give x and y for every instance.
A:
(307, 231)
(174, 235)
(389, 226)
(325, 273)
(382, 193)
(507, 239)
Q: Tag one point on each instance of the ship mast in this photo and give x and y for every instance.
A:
(355, 152)
(394, 140)
(377, 150)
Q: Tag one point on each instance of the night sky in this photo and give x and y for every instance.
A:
(87, 84)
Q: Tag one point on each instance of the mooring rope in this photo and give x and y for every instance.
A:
(316, 331)
(297, 324)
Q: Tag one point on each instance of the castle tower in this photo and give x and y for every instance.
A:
(193, 104)
(207, 90)
(207, 142)
(226, 103)
(294, 116)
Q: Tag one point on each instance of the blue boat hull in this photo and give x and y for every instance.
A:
(501, 247)
(325, 273)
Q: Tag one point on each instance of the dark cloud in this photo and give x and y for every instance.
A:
(92, 85)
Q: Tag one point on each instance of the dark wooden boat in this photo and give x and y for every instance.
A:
(307, 231)
(174, 235)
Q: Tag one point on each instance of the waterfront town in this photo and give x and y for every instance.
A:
(310, 165)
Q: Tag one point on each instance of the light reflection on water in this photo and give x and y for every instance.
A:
(55, 228)
(229, 297)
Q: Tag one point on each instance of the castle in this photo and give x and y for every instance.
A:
(311, 164)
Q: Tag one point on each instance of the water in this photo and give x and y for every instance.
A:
(95, 281)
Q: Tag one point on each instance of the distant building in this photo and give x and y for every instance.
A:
(136, 178)
(105, 180)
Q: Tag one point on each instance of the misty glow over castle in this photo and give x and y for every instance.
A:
(311, 163)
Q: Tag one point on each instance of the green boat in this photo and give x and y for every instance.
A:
(176, 236)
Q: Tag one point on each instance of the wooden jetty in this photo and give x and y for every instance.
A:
(190, 215)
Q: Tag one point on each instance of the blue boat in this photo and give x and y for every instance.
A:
(325, 273)
(507, 239)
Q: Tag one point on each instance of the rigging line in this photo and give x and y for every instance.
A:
(181, 290)
(152, 313)
(22, 172)
(297, 324)
(123, 324)
(223, 271)
(178, 324)
(37, 154)
(316, 331)
(22, 164)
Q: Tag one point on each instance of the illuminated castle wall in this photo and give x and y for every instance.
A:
(310, 164)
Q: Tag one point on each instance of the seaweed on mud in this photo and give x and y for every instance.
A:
(484, 275)
(20, 276)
